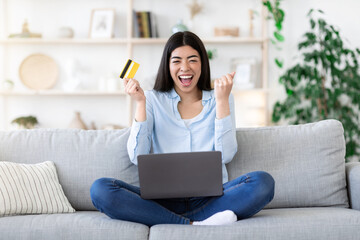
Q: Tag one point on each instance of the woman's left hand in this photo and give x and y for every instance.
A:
(223, 87)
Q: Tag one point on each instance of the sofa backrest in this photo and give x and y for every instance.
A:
(306, 161)
(80, 157)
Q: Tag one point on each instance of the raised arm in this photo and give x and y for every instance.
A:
(225, 130)
(139, 141)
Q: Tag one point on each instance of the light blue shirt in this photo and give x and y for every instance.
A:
(166, 132)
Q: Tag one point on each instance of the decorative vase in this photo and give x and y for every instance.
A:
(73, 71)
(77, 122)
(179, 27)
(65, 32)
(112, 84)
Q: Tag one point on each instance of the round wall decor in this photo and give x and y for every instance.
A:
(38, 72)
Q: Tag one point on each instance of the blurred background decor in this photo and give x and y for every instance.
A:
(26, 122)
(7, 85)
(195, 8)
(246, 73)
(277, 14)
(84, 86)
(38, 72)
(179, 27)
(226, 32)
(102, 23)
(212, 53)
(25, 33)
(77, 122)
(65, 32)
(325, 84)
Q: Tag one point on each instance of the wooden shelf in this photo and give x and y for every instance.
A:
(63, 41)
(213, 40)
(148, 40)
(232, 40)
(250, 90)
(60, 93)
(205, 40)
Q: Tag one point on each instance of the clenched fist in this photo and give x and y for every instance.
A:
(223, 87)
(132, 87)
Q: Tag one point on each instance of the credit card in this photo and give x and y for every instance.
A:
(130, 69)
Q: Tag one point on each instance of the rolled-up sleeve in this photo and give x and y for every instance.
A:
(139, 141)
(225, 134)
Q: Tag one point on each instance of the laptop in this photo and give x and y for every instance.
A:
(180, 175)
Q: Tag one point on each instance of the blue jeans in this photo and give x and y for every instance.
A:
(245, 196)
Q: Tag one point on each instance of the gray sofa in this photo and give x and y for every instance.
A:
(317, 195)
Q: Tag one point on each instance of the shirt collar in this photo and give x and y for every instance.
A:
(173, 93)
(206, 95)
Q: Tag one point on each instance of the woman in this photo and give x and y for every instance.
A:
(183, 114)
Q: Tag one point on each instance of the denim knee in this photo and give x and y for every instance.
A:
(99, 189)
(266, 183)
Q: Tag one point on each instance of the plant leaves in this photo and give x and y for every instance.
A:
(281, 80)
(279, 15)
(279, 63)
(310, 12)
(322, 24)
(308, 96)
(278, 26)
(334, 30)
(268, 5)
(276, 115)
(279, 37)
(312, 23)
(310, 40)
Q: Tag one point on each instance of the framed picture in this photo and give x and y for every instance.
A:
(102, 23)
(246, 73)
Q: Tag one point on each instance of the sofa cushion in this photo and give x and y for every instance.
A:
(80, 157)
(80, 225)
(353, 182)
(280, 224)
(306, 161)
(31, 189)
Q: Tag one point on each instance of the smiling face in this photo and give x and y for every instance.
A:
(185, 69)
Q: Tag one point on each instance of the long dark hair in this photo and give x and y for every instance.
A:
(164, 82)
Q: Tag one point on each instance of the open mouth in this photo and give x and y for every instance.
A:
(185, 80)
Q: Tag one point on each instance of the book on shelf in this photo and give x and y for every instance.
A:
(144, 24)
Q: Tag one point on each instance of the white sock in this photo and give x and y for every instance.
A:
(220, 218)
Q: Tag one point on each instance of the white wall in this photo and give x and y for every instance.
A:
(99, 61)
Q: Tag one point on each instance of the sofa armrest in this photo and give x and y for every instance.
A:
(353, 184)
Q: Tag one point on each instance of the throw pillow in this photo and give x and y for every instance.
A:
(31, 189)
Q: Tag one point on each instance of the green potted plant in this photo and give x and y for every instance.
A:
(324, 84)
(8, 85)
(212, 53)
(27, 122)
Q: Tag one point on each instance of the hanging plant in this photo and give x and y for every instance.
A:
(325, 84)
(277, 14)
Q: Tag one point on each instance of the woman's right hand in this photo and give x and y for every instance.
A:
(132, 87)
